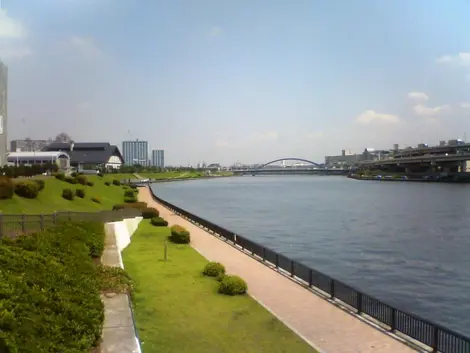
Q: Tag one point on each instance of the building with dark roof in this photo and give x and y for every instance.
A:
(90, 155)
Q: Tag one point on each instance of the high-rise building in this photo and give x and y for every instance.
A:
(135, 152)
(3, 113)
(158, 158)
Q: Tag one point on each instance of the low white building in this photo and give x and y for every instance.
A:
(62, 159)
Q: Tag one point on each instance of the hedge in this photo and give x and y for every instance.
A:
(7, 188)
(150, 212)
(213, 269)
(27, 189)
(139, 205)
(96, 199)
(232, 285)
(41, 184)
(179, 235)
(159, 222)
(129, 193)
(82, 179)
(60, 176)
(131, 199)
(80, 193)
(51, 290)
(68, 194)
(116, 182)
(107, 183)
(90, 183)
(71, 180)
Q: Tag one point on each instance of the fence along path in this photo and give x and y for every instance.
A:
(325, 326)
(12, 225)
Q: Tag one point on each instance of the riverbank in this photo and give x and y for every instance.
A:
(324, 325)
(423, 179)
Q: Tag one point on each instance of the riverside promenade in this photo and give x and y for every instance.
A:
(326, 327)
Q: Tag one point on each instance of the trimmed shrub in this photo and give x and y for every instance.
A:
(213, 269)
(139, 205)
(90, 183)
(116, 182)
(179, 235)
(82, 179)
(60, 176)
(27, 189)
(114, 280)
(100, 175)
(107, 183)
(41, 184)
(131, 199)
(7, 188)
(232, 285)
(129, 193)
(159, 222)
(150, 212)
(71, 180)
(220, 277)
(80, 193)
(96, 199)
(74, 174)
(68, 194)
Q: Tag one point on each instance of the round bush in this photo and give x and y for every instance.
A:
(129, 193)
(27, 189)
(41, 184)
(150, 212)
(213, 269)
(107, 183)
(71, 180)
(116, 182)
(7, 188)
(68, 194)
(96, 199)
(60, 176)
(220, 277)
(90, 183)
(159, 222)
(82, 179)
(131, 199)
(179, 235)
(80, 193)
(232, 285)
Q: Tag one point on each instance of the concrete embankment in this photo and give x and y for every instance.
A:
(411, 179)
(325, 326)
(119, 332)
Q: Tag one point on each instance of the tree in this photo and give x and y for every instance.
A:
(63, 137)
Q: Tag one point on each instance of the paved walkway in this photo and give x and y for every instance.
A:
(327, 327)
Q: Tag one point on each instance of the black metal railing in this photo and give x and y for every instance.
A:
(437, 337)
(12, 225)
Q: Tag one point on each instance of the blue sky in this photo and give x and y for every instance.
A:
(250, 81)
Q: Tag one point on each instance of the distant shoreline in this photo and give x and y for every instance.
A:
(410, 179)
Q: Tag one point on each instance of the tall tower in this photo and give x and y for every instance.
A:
(3, 112)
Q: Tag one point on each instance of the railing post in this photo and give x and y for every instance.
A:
(292, 268)
(310, 277)
(264, 253)
(359, 302)
(393, 326)
(435, 339)
(23, 223)
(332, 289)
(70, 216)
(41, 221)
(277, 260)
(54, 218)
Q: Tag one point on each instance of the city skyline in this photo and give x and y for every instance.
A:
(239, 80)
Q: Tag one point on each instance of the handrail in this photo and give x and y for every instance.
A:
(435, 336)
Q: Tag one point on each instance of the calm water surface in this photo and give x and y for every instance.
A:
(405, 243)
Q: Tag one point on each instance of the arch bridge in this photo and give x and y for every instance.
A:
(290, 159)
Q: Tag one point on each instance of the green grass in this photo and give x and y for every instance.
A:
(179, 310)
(50, 199)
(179, 175)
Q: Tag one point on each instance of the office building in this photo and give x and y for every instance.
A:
(29, 145)
(135, 152)
(158, 158)
(3, 113)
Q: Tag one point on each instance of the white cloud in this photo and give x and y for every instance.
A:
(10, 28)
(267, 136)
(215, 31)
(419, 96)
(428, 111)
(86, 46)
(14, 51)
(459, 59)
(370, 116)
(465, 105)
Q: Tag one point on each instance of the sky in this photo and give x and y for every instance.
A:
(239, 80)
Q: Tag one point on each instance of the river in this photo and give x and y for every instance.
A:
(406, 243)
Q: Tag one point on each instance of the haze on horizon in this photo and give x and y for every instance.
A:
(249, 81)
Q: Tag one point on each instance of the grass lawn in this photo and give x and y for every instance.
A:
(179, 310)
(179, 175)
(50, 199)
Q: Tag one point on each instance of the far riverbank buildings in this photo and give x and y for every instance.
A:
(158, 158)
(3, 112)
(135, 152)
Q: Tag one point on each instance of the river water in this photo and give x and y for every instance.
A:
(408, 244)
